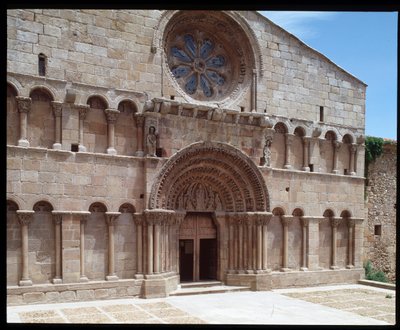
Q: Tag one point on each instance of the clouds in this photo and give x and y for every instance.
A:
(299, 23)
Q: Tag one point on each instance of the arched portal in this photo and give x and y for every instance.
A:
(210, 176)
(217, 187)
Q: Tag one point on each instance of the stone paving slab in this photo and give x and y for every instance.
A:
(283, 306)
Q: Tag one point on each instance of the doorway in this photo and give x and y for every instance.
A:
(198, 248)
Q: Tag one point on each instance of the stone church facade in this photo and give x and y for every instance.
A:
(147, 148)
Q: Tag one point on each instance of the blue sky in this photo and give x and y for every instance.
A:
(362, 43)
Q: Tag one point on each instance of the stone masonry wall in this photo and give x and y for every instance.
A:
(381, 202)
(111, 48)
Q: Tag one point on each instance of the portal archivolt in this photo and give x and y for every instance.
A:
(210, 176)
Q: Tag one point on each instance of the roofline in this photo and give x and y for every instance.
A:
(312, 49)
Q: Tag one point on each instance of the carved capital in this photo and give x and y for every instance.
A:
(24, 103)
(83, 109)
(351, 223)
(353, 148)
(112, 217)
(148, 106)
(316, 132)
(336, 144)
(306, 140)
(57, 218)
(263, 219)
(304, 221)
(139, 120)
(25, 217)
(286, 220)
(138, 219)
(288, 138)
(335, 222)
(112, 115)
(57, 108)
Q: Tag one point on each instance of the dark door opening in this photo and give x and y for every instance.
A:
(186, 259)
(208, 259)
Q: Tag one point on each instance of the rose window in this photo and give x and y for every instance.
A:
(199, 65)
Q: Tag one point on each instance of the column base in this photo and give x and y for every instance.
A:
(83, 279)
(81, 148)
(352, 173)
(231, 271)
(240, 271)
(304, 269)
(57, 281)
(306, 169)
(111, 151)
(249, 271)
(139, 276)
(287, 166)
(285, 270)
(23, 143)
(57, 146)
(112, 278)
(139, 153)
(334, 267)
(350, 266)
(335, 171)
(25, 282)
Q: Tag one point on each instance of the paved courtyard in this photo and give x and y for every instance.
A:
(338, 305)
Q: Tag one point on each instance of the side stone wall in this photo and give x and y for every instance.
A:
(380, 246)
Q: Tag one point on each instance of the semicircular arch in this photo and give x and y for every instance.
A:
(207, 176)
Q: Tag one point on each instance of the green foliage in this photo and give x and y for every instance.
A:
(374, 275)
(388, 296)
(373, 148)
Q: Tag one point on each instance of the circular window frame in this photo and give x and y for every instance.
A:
(225, 33)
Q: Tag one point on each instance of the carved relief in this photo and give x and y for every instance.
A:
(151, 142)
(210, 176)
(24, 104)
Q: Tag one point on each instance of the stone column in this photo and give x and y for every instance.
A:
(306, 159)
(334, 223)
(265, 219)
(57, 111)
(288, 142)
(83, 109)
(111, 115)
(57, 218)
(138, 219)
(111, 219)
(336, 146)
(254, 92)
(286, 220)
(231, 261)
(304, 261)
(24, 106)
(259, 245)
(240, 225)
(249, 255)
(139, 134)
(83, 220)
(149, 247)
(24, 218)
(353, 150)
(156, 262)
(350, 255)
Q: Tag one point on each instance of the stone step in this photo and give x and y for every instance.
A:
(207, 290)
(200, 284)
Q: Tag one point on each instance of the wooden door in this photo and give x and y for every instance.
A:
(200, 228)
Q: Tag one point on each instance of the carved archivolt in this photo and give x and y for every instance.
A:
(210, 176)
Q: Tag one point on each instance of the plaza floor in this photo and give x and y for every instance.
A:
(327, 305)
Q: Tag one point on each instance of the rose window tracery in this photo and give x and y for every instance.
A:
(198, 65)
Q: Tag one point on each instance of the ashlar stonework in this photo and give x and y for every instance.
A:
(146, 148)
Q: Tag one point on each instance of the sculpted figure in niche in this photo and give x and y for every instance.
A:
(151, 142)
(267, 151)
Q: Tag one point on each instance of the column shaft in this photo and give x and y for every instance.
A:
(285, 246)
(231, 244)
(250, 247)
(57, 231)
(336, 146)
(156, 248)
(350, 256)
(139, 134)
(139, 249)
(241, 246)
(259, 247)
(25, 256)
(150, 249)
(287, 150)
(304, 248)
(24, 106)
(264, 247)
(83, 277)
(306, 144)
(112, 218)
